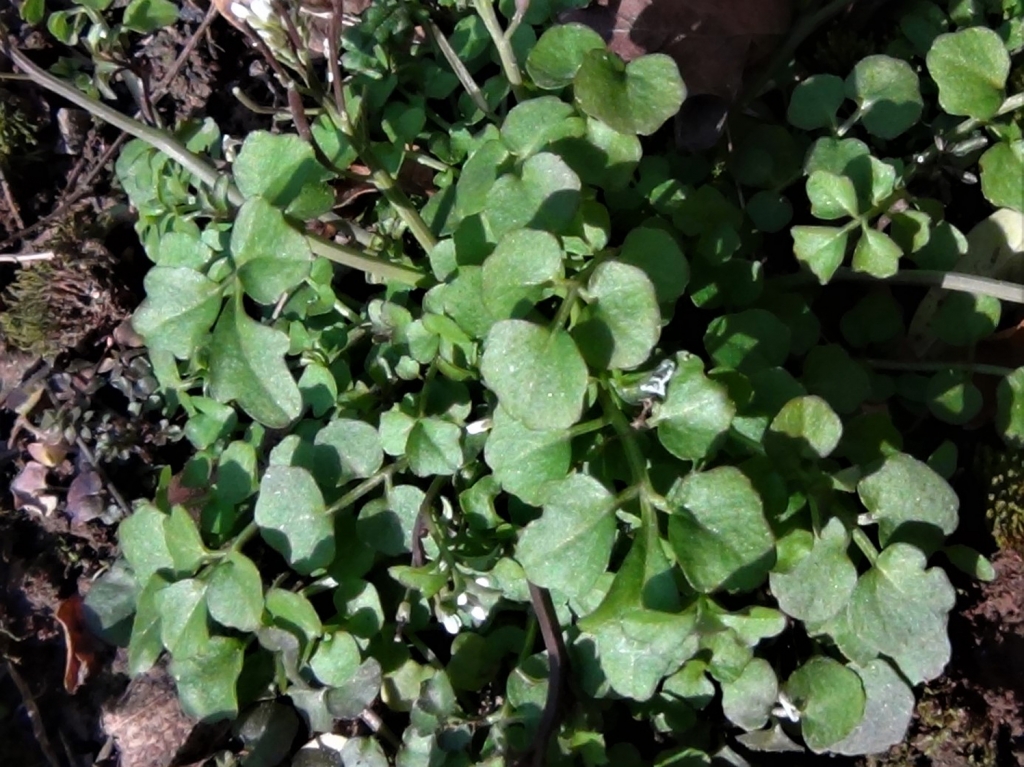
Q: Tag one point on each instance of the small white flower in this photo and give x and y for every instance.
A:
(478, 613)
(786, 709)
(462, 599)
(483, 581)
(240, 11)
(262, 9)
(451, 624)
(479, 427)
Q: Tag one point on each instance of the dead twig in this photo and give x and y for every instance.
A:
(12, 205)
(34, 716)
(25, 258)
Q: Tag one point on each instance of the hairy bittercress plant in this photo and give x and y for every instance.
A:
(516, 424)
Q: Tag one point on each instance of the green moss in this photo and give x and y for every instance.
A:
(17, 132)
(52, 306)
(1002, 471)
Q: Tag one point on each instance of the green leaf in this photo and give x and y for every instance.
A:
(558, 54)
(657, 253)
(718, 531)
(569, 546)
(110, 604)
(483, 167)
(963, 319)
(748, 341)
(183, 541)
(545, 194)
(875, 319)
(1002, 168)
(967, 560)
(821, 248)
(887, 711)
(335, 145)
(346, 449)
(523, 460)
(876, 254)
(537, 374)
(180, 306)
(906, 491)
(769, 211)
(147, 16)
(206, 680)
(336, 659)
(831, 196)
(294, 613)
(247, 365)
(830, 698)
(815, 101)
(621, 323)
(292, 518)
(695, 415)
(970, 67)
(183, 616)
(833, 375)
(637, 97)
(952, 396)
(603, 157)
(234, 595)
(809, 425)
(1009, 408)
(319, 389)
(143, 544)
(748, 700)
(899, 609)
(520, 272)
(535, 123)
(145, 645)
(637, 644)
(434, 448)
(282, 169)
(814, 577)
(887, 93)
(767, 157)
(33, 11)
(271, 256)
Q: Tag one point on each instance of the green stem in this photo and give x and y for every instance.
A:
(635, 459)
(157, 139)
(243, 537)
(865, 545)
(1011, 104)
(566, 308)
(586, 427)
(938, 367)
(505, 53)
(468, 83)
(964, 283)
(384, 181)
(364, 262)
(366, 486)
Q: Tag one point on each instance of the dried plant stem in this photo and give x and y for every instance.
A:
(25, 258)
(964, 283)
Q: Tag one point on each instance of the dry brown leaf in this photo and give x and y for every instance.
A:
(78, 642)
(29, 489)
(712, 41)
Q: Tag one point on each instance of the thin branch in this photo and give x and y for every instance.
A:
(964, 283)
(558, 662)
(937, 366)
(25, 258)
